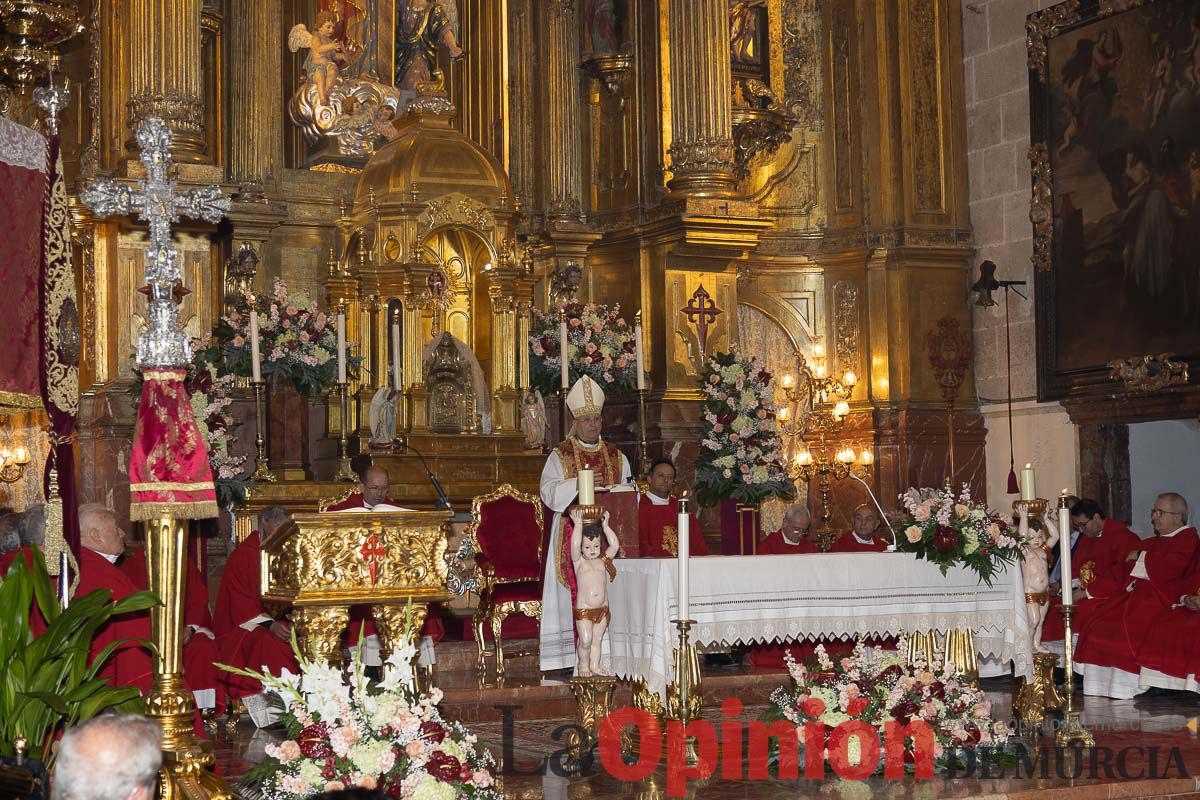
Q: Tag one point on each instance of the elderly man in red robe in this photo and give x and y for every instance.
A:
(864, 536)
(1155, 577)
(658, 517)
(372, 491)
(102, 544)
(199, 641)
(792, 536)
(584, 448)
(248, 635)
(1170, 654)
(1098, 567)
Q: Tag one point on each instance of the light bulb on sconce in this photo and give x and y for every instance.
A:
(788, 381)
(849, 379)
(846, 456)
(783, 414)
(818, 351)
(819, 371)
(803, 458)
(841, 409)
(866, 458)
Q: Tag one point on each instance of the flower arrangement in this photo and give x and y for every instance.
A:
(297, 340)
(345, 731)
(882, 686)
(209, 393)
(741, 456)
(600, 344)
(952, 530)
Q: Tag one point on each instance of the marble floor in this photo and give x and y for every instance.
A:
(1144, 749)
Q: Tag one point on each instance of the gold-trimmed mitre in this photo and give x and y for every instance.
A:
(586, 398)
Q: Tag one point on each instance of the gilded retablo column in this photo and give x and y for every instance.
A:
(165, 78)
(564, 185)
(701, 119)
(256, 56)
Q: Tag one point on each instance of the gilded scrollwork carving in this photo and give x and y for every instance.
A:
(924, 46)
(760, 125)
(1040, 26)
(456, 210)
(801, 63)
(319, 631)
(706, 154)
(845, 324)
(1041, 212)
(1148, 373)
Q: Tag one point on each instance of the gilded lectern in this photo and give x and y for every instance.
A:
(322, 564)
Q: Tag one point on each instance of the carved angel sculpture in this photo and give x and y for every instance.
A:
(319, 65)
(1039, 538)
(422, 26)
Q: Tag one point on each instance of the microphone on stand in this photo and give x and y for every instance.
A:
(443, 502)
(882, 516)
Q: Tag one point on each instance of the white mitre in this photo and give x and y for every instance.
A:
(586, 398)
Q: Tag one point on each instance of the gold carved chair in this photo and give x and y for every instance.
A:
(506, 536)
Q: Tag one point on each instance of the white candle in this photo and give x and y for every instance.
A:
(341, 347)
(1028, 484)
(682, 527)
(587, 487)
(396, 374)
(255, 356)
(637, 349)
(562, 351)
(1064, 544)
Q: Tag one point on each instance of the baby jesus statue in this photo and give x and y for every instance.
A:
(592, 567)
(1039, 537)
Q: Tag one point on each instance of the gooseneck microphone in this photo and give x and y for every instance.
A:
(443, 502)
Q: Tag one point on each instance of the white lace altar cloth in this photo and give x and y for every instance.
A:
(755, 599)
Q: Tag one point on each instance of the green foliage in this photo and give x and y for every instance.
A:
(48, 682)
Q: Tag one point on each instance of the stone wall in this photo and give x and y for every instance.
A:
(997, 98)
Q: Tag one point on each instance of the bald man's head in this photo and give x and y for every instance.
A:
(375, 485)
(866, 520)
(110, 757)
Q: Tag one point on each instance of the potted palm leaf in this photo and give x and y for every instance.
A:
(48, 679)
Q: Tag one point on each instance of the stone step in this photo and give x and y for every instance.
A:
(520, 656)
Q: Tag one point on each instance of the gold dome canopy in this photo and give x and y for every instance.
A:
(432, 155)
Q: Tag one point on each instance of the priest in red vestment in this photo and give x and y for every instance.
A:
(200, 654)
(658, 518)
(103, 542)
(372, 491)
(792, 536)
(864, 536)
(1170, 654)
(248, 636)
(584, 448)
(1155, 578)
(1097, 566)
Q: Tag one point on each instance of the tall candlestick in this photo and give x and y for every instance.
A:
(396, 374)
(1064, 543)
(341, 347)
(1028, 484)
(683, 525)
(255, 356)
(587, 487)
(637, 349)
(562, 349)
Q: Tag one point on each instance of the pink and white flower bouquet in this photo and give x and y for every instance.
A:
(741, 455)
(953, 530)
(881, 686)
(344, 730)
(600, 344)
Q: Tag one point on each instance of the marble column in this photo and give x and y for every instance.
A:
(564, 179)
(701, 118)
(256, 59)
(165, 78)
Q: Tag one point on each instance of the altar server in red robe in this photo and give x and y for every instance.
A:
(1098, 566)
(199, 640)
(248, 636)
(1155, 579)
(103, 542)
(864, 536)
(1170, 654)
(658, 518)
(792, 536)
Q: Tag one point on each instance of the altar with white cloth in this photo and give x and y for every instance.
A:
(751, 599)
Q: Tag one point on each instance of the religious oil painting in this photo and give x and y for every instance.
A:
(1115, 116)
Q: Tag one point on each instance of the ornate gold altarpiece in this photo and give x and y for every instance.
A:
(321, 564)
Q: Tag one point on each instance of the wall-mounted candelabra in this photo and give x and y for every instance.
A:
(12, 464)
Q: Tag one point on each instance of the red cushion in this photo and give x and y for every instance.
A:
(509, 538)
(519, 592)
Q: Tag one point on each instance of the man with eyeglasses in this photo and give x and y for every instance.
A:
(372, 491)
(1156, 576)
(1098, 565)
(1170, 656)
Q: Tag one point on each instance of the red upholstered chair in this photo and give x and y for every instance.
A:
(506, 534)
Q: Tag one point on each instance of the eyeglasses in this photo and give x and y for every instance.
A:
(1163, 511)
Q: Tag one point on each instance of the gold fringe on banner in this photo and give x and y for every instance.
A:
(203, 509)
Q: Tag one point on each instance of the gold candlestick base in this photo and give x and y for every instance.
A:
(593, 704)
(345, 472)
(592, 512)
(1037, 506)
(1038, 694)
(684, 695)
(262, 470)
(1072, 731)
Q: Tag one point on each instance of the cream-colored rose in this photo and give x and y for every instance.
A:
(913, 534)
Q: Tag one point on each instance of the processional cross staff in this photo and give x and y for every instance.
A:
(164, 491)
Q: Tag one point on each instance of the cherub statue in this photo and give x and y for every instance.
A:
(1039, 537)
(533, 420)
(421, 27)
(591, 589)
(319, 65)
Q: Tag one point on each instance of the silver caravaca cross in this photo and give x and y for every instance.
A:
(156, 201)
